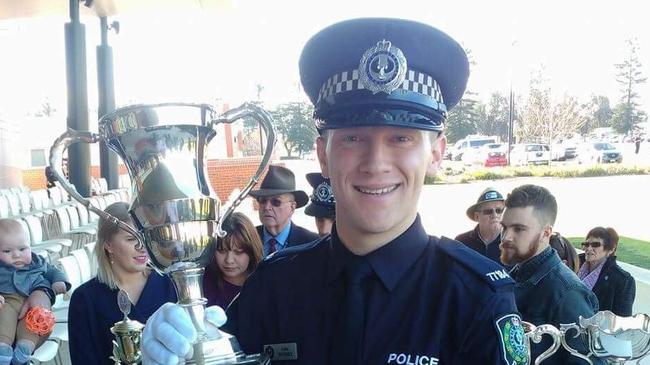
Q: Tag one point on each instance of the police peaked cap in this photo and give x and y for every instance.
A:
(321, 202)
(380, 71)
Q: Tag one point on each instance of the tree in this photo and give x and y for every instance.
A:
(495, 122)
(46, 109)
(598, 113)
(294, 123)
(629, 76)
(545, 121)
(463, 119)
(537, 111)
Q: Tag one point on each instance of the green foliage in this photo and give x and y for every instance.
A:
(496, 119)
(629, 76)
(598, 113)
(294, 123)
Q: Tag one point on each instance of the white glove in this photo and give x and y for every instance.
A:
(169, 334)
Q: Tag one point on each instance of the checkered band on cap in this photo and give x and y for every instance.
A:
(415, 81)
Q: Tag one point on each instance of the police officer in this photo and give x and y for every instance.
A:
(321, 203)
(378, 290)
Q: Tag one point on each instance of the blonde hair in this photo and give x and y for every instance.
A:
(106, 230)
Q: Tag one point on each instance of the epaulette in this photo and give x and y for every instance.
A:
(489, 271)
(292, 251)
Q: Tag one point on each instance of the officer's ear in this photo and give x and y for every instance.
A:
(321, 146)
(437, 150)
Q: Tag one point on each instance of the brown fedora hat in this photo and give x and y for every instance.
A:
(280, 180)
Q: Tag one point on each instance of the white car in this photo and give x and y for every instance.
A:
(530, 154)
(599, 152)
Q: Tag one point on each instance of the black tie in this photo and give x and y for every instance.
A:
(348, 340)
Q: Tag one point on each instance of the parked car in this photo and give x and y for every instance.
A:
(564, 151)
(599, 152)
(493, 154)
(530, 153)
(469, 142)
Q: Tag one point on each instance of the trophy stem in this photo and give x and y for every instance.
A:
(188, 283)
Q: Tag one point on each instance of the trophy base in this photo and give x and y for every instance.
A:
(224, 351)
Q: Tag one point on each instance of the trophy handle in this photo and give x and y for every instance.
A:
(72, 136)
(564, 328)
(536, 333)
(264, 119)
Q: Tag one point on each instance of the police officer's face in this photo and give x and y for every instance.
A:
(523, 235)
(276, 211)
(324, 225)
(377, 175)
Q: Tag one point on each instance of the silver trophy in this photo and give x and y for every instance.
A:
(535, 333)
(127, 333)
(610, 337)
(175, 211)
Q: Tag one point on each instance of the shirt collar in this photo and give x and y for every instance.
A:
(391, 261)
(281, 237)
(536, 267)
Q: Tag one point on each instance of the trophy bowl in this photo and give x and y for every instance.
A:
(174, 210)
(613, 338)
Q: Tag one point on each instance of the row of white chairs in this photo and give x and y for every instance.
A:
(79, 267)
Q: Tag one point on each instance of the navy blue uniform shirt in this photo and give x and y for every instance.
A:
(431, 301)
(93, 311)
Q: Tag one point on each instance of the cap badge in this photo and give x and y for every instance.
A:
(491, 195)
(324, 192)
(382, 68)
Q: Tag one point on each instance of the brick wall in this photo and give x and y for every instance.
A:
(228, 174)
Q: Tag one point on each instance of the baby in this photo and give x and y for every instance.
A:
(21, 272)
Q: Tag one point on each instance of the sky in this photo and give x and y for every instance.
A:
(208, 56)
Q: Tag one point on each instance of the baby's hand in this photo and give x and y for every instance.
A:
(59, 287)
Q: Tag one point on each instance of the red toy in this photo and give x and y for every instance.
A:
(40, 321)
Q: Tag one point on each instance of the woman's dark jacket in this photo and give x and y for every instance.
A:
(615, 288)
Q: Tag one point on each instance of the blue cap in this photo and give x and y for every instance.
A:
(379, 71)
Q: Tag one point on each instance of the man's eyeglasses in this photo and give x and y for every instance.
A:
(594, 244)
(276, 202)
(492, 211)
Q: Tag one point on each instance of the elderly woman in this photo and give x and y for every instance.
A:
(614, 287)
(121, 265)
(236, 256)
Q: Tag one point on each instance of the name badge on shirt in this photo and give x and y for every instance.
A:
(282, 351)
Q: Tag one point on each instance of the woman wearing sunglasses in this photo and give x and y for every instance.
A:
(614, 287)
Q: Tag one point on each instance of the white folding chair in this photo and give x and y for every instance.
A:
(70, 267)
(46, 353)
(84, 264)
(35, 231)
(5, 210)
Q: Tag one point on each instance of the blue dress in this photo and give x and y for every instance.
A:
(93, 311)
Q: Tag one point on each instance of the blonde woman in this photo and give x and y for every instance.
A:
(93, 307)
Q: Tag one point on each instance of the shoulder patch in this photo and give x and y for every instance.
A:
(491, 272)
(513, 340)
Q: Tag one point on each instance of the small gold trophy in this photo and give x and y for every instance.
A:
(126, 345)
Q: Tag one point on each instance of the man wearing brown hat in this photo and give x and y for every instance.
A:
(277, 200)
(486, 236)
